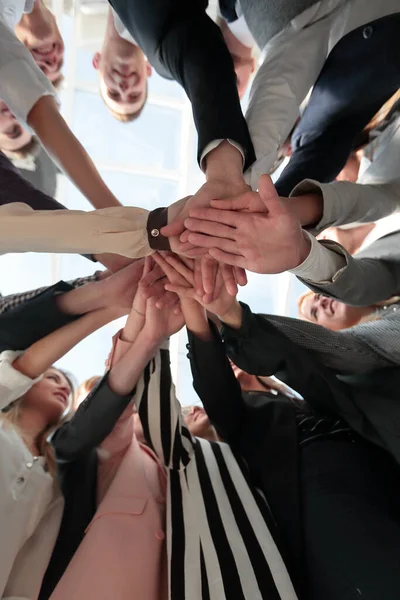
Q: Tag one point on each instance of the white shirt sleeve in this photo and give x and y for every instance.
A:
(322, 265)
(22, 83)
(292, 62)
(13, 383)
(214, 144)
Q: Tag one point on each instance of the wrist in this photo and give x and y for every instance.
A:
(225, 163)
(308, 208)
(233, 316)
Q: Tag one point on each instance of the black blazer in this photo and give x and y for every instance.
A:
(367, 402)
(183, 43)
(75, 442)
(360, 74)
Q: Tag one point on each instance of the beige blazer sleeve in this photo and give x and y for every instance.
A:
(118, 230)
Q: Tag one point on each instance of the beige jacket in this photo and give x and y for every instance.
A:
(123, 230)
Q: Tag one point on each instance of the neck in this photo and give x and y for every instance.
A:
(359, 235)
(112, 35)
(32, 424)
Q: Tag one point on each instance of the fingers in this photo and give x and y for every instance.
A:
(152, 276)
(209, 268)
(239, 203)
(230, 259)
(210, 228)
(174, 228)
(174, 269)
(206, 241)
(229, 279)
(185, 270)
(198, 278)
(226, 217)
(269, 196)
(240, 275)
(181, 291)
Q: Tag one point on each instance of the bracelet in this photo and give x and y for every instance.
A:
(138, 312)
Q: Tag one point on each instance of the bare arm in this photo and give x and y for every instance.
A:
(68, 152)
(45, 352)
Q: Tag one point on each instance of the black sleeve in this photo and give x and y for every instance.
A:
(344, 99)
(261, 349)
(183, 43)
(29, 322)
(91, 424)
(216, 385)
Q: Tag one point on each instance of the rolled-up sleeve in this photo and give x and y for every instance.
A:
(22, 83)
(13, 383)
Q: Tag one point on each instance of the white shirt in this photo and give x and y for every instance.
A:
(292, 61)
(22, 83)
(31, 506)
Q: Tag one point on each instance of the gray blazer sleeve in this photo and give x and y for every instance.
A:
(360, 349)
(346, 202)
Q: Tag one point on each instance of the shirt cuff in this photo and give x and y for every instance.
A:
(20, 73)
(13, 383)
(214, 144)
(322, 265)
(157, 219)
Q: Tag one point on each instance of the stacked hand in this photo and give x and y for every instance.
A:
(255, 231)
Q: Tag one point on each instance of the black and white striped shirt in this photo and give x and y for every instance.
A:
(218, 542)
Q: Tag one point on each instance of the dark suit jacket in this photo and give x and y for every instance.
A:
(360, 74)
(75, 442)
(183, 43)
(368, 402)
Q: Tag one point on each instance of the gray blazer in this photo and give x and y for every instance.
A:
(373, 275)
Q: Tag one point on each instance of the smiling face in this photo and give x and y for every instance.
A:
(330, 313)
(13, 137)
(51, 396)
(123, 72)
(38, 31)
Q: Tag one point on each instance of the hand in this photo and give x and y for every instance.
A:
(267, 242)
(160, 323)
(178, 212)
(119, 289)
(181, 277)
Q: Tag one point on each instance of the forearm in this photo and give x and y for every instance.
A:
(81, 300)
(195, 319)
(124, 375)
(319, 205)
(68, 152)
(45, 352)
(233, 317)
(119, 230)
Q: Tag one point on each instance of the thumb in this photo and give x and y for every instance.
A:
(269, 196)
(172, 229)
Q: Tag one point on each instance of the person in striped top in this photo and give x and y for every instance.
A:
(220, 533)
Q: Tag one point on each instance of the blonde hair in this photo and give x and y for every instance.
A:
(11, 417)
(86, 387)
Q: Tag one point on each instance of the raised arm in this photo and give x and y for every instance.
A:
(213, 378)
(265, 344)
(158, 407)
